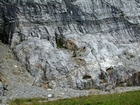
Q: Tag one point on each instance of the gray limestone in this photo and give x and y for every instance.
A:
(76, 44)
(1, 89)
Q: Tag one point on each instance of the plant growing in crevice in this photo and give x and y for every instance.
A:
(103, 78)
(59, 42)
(74, 53)
(59, 45)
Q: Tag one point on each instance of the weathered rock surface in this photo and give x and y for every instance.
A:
(1, 89)
(12, 73)
(79, 44)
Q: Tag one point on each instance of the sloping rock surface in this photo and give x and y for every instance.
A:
(12, 73)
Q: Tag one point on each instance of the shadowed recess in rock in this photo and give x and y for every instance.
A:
(8, 21)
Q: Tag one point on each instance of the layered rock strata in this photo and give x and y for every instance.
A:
(79, 44)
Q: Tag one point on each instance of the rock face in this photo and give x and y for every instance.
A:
(12, 73)
(1, 89)
(78, 44)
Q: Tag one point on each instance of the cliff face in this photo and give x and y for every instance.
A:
(79, 44)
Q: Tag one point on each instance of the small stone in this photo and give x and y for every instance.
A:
(62, 93)
(50, 95)
(49, 89)
(16, 66)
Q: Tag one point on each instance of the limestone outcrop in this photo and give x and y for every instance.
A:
(79, 44)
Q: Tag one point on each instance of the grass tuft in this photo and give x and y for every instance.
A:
(0, 101)
(27, 101)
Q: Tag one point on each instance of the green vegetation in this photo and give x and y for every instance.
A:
(74, 53)
(59, 45)
(0, 101)
(28, 101)
(128, 98)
